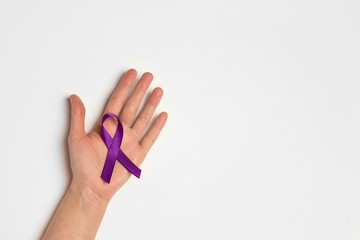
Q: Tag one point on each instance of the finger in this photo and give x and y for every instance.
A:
(77, 128)
(154, 131)
(142, 121)
(118, 97)
(131, 106)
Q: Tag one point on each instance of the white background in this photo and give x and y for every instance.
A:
(263, 135)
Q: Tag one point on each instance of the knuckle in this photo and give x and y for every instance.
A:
(143, 118)
(118, 99)
(131, 108)
(70, 139)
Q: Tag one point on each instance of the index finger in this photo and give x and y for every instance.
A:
(118, 97)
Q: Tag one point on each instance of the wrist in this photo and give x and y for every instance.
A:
(78, 216)
(87, 195)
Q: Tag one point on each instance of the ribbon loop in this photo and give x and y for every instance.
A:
(115, 153)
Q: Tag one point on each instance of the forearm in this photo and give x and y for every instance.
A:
(78, 216)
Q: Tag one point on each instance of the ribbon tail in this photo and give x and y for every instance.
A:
(129, 165)
(107, 170)
(110, 163)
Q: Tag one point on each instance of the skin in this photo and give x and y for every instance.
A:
(81, 210)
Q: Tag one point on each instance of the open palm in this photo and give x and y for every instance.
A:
(88, 151)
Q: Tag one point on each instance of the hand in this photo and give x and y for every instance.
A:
(88, 151)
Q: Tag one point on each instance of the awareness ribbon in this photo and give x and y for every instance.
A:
(115, 152)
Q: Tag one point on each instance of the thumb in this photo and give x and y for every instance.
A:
(77, 128)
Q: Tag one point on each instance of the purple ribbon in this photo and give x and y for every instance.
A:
(115, 152)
